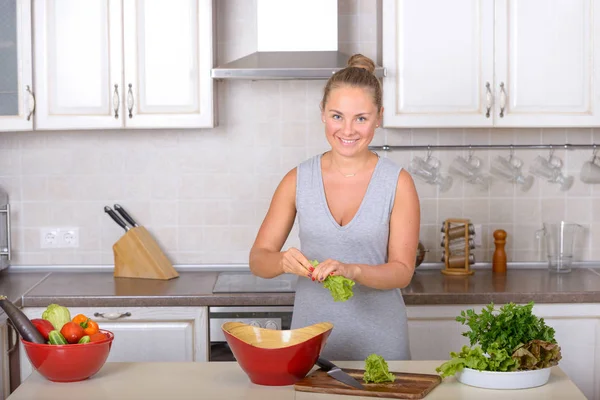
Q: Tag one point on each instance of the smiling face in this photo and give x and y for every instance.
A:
(350, 117)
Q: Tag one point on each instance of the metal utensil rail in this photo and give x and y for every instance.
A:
(566, 146)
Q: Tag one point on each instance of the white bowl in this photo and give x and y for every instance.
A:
(504, 380)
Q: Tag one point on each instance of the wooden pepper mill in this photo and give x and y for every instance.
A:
(499, 259)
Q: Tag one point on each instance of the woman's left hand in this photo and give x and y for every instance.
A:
(333, 267)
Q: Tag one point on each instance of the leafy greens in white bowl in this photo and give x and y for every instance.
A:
(510, 349)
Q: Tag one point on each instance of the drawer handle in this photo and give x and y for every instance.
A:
(112, 315)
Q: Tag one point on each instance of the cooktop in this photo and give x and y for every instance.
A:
(245, 282)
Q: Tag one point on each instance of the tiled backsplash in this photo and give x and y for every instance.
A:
(203, 193)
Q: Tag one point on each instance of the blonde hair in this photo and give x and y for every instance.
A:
(358, 73)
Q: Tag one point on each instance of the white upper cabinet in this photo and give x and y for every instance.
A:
(437, 62)
(485, 63)
(548, 62)
(78, 59)
(124, 64)
(16, 82)
(168, 47)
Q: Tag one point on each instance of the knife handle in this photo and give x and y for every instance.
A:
(116, 218)
(125, 215)
(325, 364)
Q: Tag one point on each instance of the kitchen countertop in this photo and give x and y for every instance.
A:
(15, 285)
(88, 289)
(226, 380)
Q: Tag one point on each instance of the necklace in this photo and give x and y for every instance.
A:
(340, 171)
(344, 174)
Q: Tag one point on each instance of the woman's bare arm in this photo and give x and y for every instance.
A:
(266, 258)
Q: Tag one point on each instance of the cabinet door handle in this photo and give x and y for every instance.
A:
(130, 101)
(488, 99)
(112, 315)
(116, 101)
(30, 102)
(502, 99)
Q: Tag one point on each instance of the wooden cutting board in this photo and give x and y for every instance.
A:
(405, 386)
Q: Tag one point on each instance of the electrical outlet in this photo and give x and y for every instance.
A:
(57, 238)
(478, 236)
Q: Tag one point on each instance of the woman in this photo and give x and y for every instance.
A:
(358, 215)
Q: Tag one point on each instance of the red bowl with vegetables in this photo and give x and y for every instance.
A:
(69, 362)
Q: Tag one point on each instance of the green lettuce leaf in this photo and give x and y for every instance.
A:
(376, 370)
(339, 286)
(57, 315)
(468, 357)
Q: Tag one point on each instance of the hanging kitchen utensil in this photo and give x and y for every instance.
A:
(336, 372)
(137, 255)
(125, 215)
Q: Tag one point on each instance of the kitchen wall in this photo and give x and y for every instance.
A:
(203, 193)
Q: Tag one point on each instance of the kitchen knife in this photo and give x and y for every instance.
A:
(335, 372)
(116, 218)
(125, 215)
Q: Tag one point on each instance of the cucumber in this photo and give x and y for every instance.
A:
(20, 322)
(55, 337)
(84, 339)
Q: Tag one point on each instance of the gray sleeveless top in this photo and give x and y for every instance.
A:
(372, 321)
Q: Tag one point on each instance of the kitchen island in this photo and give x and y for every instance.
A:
(226, 380)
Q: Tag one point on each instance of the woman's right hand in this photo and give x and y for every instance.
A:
(294, 262)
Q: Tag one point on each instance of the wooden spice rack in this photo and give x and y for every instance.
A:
(459, 265)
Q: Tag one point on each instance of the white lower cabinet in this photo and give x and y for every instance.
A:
(144, 334)
(434, 333)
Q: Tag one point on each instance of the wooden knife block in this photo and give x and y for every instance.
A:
(137, 255)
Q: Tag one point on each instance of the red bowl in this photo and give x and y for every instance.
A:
(276, 357)
(69, 362)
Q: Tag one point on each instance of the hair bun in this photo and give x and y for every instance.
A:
(360, 61)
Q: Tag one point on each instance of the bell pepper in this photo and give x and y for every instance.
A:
(43, 326)
(89, 326)
(97, 337)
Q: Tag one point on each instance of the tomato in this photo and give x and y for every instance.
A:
(43, 326)
(97, 337)
(72, 332)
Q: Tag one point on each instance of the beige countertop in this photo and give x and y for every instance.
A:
(89, 289)
(175, 381)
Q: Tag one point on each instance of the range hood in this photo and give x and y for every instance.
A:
(296, 39)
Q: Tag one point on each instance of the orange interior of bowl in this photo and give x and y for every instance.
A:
(274, 339)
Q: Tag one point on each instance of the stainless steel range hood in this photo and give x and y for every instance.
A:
(288, 47)
(286, 65)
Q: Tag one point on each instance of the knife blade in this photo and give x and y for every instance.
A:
(125, 215)
(116, 218)
(336, 372)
